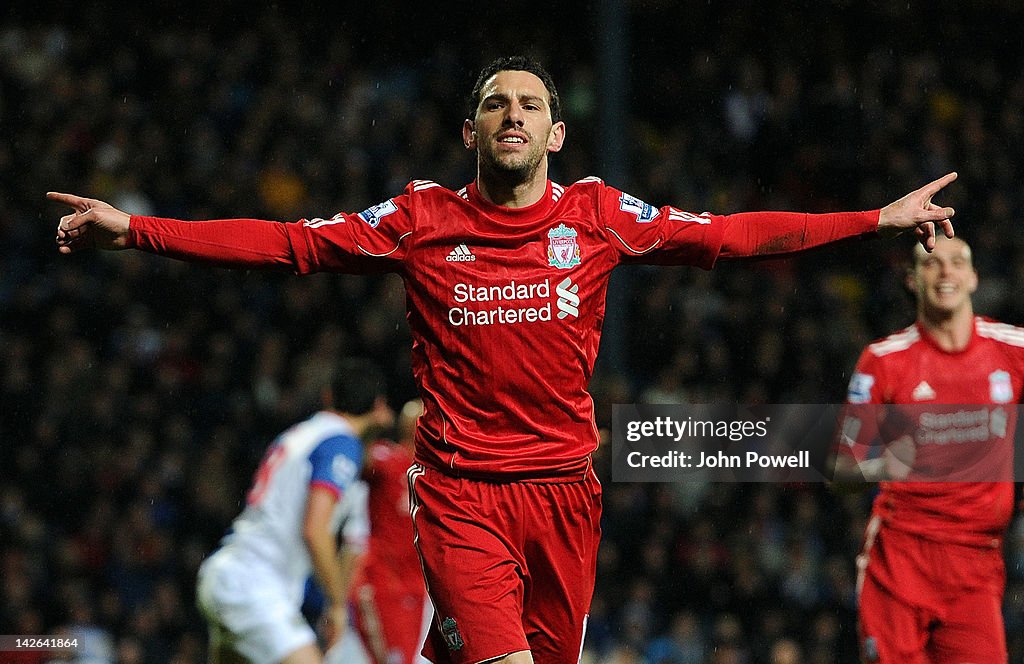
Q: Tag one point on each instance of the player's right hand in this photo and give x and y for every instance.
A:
(93, 224)
(899, 457)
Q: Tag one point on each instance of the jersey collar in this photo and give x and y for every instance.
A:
(538, 210)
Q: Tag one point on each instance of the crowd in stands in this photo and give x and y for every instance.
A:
(137, 393)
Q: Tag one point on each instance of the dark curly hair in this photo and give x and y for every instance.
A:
(516, 63)
(356, 382)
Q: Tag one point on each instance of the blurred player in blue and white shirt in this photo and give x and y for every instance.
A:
(251, 589)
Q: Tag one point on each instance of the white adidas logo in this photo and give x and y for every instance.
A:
(923, 392)
(460, 254)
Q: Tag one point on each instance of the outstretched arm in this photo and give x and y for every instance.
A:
(248, 243)
(764, 233)
(343, 243)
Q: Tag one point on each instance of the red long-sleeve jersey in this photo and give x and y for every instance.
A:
(391, 559)
(505, 305)
(960, 410)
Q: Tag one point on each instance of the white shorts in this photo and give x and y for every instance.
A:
(348, 650)
(250, 609)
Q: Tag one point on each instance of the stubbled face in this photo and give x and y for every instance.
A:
(945, 279)
(512, 131)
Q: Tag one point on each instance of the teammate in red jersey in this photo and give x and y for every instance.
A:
(505, 282)
(391, 609)
(931, 575)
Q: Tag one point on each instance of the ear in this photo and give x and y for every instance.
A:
(556, 137)
(972, 284)
(910, 281)
(468, 134)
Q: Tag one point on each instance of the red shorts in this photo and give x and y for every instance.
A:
(390, 618)
(927, 602)
(509, 566)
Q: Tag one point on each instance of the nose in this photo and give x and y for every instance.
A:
(514, 115)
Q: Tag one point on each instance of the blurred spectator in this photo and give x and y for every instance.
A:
(683, 643)
(786, 651)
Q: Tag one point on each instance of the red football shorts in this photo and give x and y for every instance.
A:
(390, 618)
(927, 602)
(509, 566)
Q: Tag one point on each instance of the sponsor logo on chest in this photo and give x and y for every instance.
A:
(514, 302)
(481, 301)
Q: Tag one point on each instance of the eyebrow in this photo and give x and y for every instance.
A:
(931, 258)
(525, 97)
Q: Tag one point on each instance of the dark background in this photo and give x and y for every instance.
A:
(137, 393)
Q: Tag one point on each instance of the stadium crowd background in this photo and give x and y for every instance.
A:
(137, 393)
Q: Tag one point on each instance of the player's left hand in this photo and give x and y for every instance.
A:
(916, 211)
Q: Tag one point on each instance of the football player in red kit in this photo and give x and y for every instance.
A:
(390, 607)
(931, 574)
(505, 284)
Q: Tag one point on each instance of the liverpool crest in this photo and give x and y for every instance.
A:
(450, 632)
(1000, 386)
(563, 250)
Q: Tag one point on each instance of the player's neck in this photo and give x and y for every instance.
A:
(952, 332)
(510, 193)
